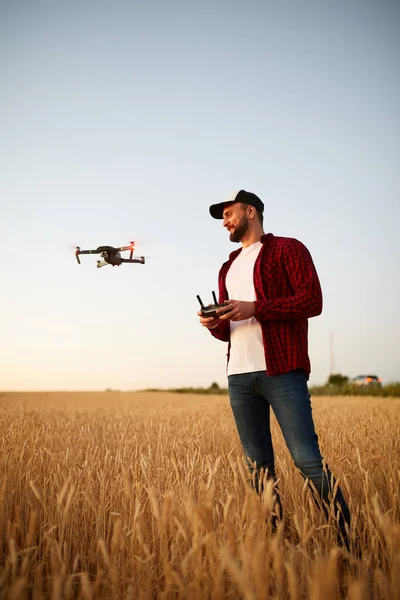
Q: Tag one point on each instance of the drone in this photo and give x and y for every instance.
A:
(111, 256)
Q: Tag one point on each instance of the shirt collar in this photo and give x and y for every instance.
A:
(265, 239)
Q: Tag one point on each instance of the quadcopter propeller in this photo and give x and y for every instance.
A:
(72, 246)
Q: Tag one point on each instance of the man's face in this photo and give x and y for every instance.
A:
(235, 220)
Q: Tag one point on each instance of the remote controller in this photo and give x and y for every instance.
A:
(211, 309)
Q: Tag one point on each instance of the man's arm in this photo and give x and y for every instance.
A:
(306, 300)
(219, 329)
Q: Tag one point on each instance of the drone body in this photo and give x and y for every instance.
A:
(111, 256)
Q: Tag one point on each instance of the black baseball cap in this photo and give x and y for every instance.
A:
(216, 210)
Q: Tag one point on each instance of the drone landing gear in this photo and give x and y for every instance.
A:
(101, 263)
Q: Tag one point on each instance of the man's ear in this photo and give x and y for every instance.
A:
(251, 211)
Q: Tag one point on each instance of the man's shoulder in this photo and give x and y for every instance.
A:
(269, 240)
(272, 245)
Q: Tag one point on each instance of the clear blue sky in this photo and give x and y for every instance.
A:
(126, 120)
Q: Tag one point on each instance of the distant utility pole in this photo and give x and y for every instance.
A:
(332, 357)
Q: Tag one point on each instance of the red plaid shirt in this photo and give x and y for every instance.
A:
(288, 293)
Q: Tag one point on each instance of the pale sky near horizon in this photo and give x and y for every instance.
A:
(126, 120)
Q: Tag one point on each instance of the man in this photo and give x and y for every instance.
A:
(271, 289)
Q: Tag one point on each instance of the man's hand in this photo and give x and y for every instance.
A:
(236, 310)
(209, 322)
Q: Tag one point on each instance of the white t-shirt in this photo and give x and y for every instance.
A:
(247, 348)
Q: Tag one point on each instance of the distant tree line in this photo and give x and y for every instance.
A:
(336, 385)
(214, 388)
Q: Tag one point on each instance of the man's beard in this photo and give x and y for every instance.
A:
(240, 230)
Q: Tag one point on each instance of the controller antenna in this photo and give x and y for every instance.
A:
(200, 301)
(215, 298)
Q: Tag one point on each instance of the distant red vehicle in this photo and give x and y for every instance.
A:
(366, 380)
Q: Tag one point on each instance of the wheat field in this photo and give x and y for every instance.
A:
(139, 495)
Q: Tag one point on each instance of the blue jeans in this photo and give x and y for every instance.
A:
(251, 396)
